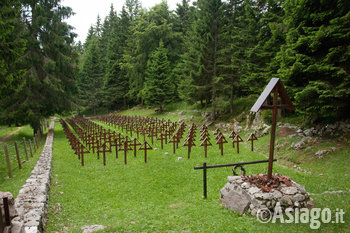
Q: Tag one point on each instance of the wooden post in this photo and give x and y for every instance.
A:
(273, 131)
(25, 148)
(7, 211)
(30, 148)
(8, 162)
(82, 154)
(18, 156)
(205, 180)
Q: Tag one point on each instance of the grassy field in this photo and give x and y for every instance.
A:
(14, 184)
(165, 195)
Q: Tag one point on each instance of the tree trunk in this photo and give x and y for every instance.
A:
(213, 107)
(35, 124)
(231, 99)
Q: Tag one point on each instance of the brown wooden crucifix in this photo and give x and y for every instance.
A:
(221, 140)
(189, 142)
(251, 138)
(125, 147)
(237, 139)
(145, 146)
(276, 87)
(134, 143)
(205, 143)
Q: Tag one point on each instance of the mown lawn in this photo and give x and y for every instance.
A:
(165, 195)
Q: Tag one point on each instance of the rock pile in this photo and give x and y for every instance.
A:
(31, 202)
(243, 196)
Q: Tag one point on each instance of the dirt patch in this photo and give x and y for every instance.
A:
(286, 131)
(9, 136)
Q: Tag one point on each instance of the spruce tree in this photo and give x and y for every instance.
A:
(49, 64)
(158, 87)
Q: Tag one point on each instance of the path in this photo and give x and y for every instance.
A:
(9, 136)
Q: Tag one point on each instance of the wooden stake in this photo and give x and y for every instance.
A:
(25, 148)
(30, 148)
(8, 162)
(273, 131)
(18, 156)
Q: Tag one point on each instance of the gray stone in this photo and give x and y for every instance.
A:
(298, 197)
(253, 190)
(31, 229)
(289, 190)
(236, 199)
(286, 201)
(17, 225)
(256, 203)
(276, 194)
(232, 179)
(166, 153)
(245, 185)
(310, 204)
(92, 228)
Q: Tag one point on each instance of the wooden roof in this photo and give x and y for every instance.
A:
(285, 101)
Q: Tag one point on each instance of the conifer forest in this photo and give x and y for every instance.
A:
(205, 52)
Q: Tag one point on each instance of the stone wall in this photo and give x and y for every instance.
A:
(32, 201)
(242, 196)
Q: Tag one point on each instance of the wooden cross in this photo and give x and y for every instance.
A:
(104, 150)
(151, 134)
(125, 148)
(276, 87)
(175, 140)
(221, 140)
(204, 134)
(189, 142)
(162, 137)
(206, 142)
(135, 143)
(237, 139)
(218, 135)
(251, 138)
(217, 130)
(145, 146)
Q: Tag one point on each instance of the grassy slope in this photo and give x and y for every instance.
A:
(19, 175)
(165, 195)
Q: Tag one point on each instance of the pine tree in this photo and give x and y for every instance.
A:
(158, 88)
(200, 62)
(91, 76)
(314, 61)
(49, 64)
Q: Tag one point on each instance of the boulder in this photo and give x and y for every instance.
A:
(235, 199)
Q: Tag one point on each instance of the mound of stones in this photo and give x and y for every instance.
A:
(249, 195)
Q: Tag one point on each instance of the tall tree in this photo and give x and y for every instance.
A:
(12, 47)
(314, 63)
(200, 64)
(91, 76)
(50, 64)
(158, 88)
(116, 84)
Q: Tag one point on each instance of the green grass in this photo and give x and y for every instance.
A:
(165, 195)
(5, 130)
(14, 184)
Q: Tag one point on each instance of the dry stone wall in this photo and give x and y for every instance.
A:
(32, 201)
(242, 196)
